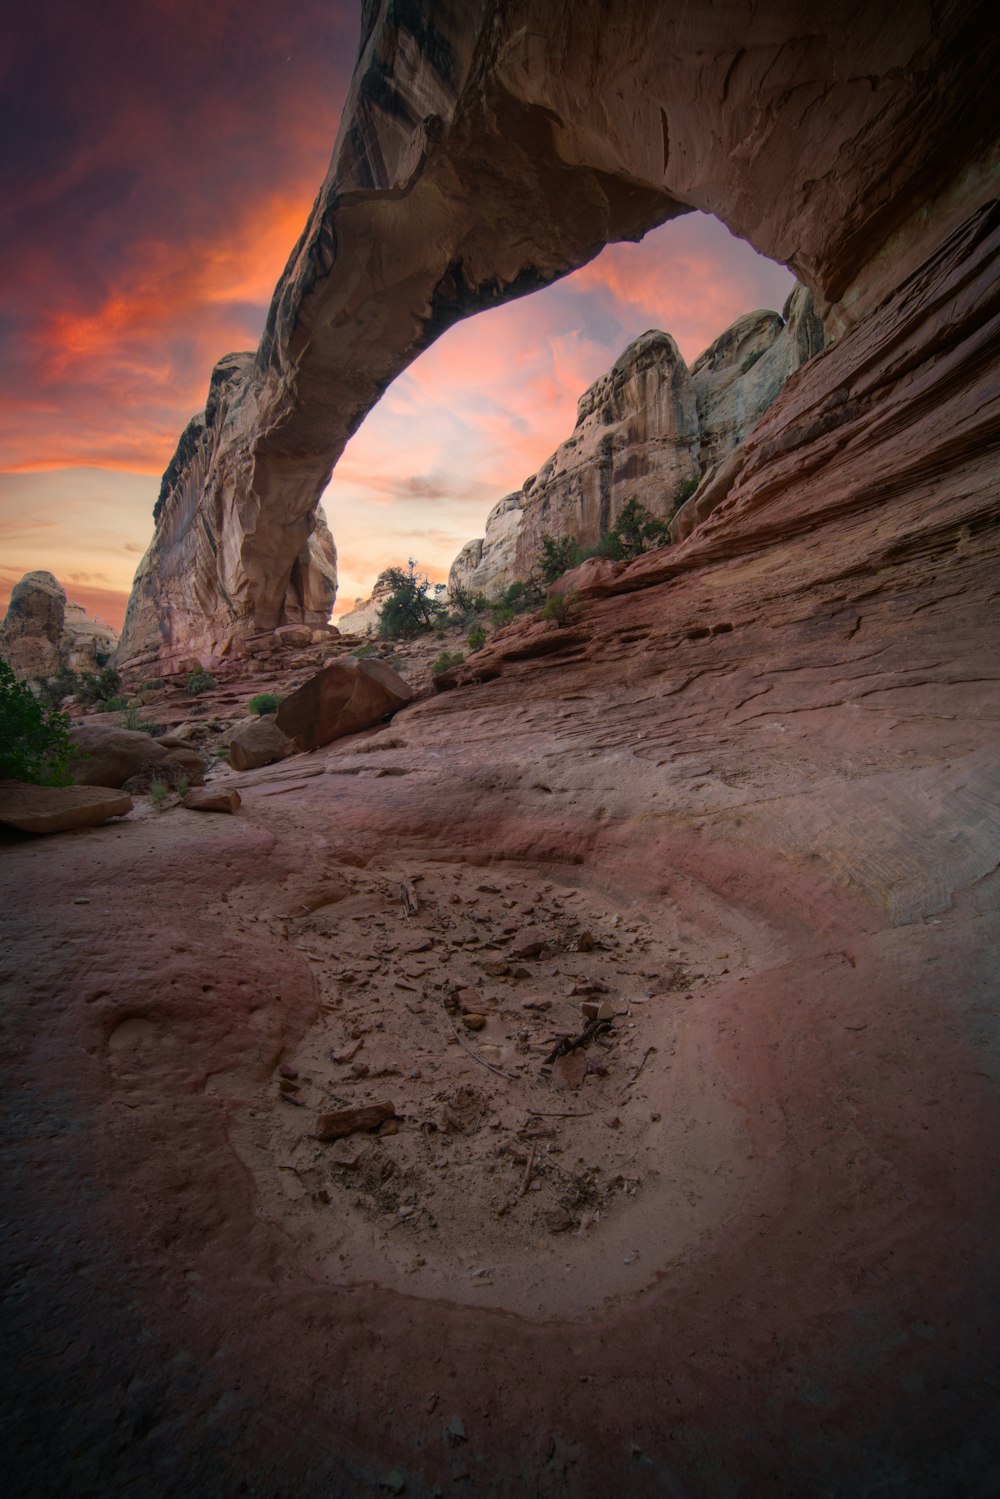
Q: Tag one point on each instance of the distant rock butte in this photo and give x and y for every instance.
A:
(644, 429)
(43, 631)
(820, 134)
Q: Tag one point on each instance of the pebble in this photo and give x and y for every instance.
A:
(473, 1022)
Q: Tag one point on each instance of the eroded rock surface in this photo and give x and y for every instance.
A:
(748, 798)
(819, 135)
(43, 631)
(647, 430)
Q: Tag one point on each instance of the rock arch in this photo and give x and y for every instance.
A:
(489, 148)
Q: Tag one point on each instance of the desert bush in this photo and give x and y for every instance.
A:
(198, 681)
(134, 720)
(445, 662)
(413, 604)
(558, 555)
(34, 738)
(637, 531)
(158, 793)
(64, 684)
(101, 690)
(558, 607)
(265, 702)
(476, 638)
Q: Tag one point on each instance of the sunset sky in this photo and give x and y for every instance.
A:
(159, 162)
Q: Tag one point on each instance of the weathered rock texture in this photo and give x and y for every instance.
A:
(58, 809)
(342, 699)
(42, 631)
(643, 430)
(778, 744)
(109, 756)
(819, 134)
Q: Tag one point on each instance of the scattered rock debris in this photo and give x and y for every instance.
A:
(511, 1125)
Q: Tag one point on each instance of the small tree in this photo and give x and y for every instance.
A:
(410, 607)
(558, 555)
(34, 740)
(638, 531)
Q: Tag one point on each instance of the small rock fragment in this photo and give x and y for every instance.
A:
(456, 1432)
(585, 942)
(394, 1482)
(339, 1123)
(598, 1009)
(212, 799)
(473, 1022)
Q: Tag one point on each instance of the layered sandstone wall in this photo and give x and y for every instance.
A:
(487, 150)
(644, 430)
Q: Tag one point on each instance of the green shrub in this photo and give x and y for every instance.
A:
(101, 690)
(34, 739)
(134, 720)
(559, 555)
(682, 494)
(558, 607)
(265, 702)
(445, 662)
(361, 652)
(199, 681)
(477, 638)
(158, 792)
(65, 683)
(637, 531)
(409, 609)
(153, 685)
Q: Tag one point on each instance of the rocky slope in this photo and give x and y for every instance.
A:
(43, 630)
(646, 429)
(746, 795)
(819, 134)
(757, 770)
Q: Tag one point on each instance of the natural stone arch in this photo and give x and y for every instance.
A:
(487, 149)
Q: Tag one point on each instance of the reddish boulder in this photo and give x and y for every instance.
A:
(342, 699)
(213, 799)
(58, 809)
(258, 742)
(109, 756)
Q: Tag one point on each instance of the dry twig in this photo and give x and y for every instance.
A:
(645, 1058)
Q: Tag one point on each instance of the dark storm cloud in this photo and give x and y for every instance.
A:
(145, 148)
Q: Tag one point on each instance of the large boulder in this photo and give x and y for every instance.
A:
(342, 699)
(258, 742)
(58, 809)
(109, 756)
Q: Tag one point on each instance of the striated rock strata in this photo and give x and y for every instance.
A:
(646, 428)
(486, 150)
(748, 793)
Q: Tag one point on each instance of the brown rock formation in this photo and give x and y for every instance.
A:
(750, 791)
(58, 809)
(42, 631)
(343, 698)
(644, 430)
(819, 136)
(109, 756)
(756, 772)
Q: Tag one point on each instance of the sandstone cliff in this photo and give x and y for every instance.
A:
(819, 134)
(43, 631)
(647, 427)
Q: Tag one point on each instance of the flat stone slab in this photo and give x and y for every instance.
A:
(59, 809)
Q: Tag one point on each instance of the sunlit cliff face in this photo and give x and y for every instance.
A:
(164, 162)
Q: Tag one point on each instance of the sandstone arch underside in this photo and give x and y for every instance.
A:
(489, 148)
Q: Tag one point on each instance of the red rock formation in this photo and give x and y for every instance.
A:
(819, 135)
(773, 749)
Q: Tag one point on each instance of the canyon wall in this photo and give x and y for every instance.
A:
(648, 429)
(486, 150)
